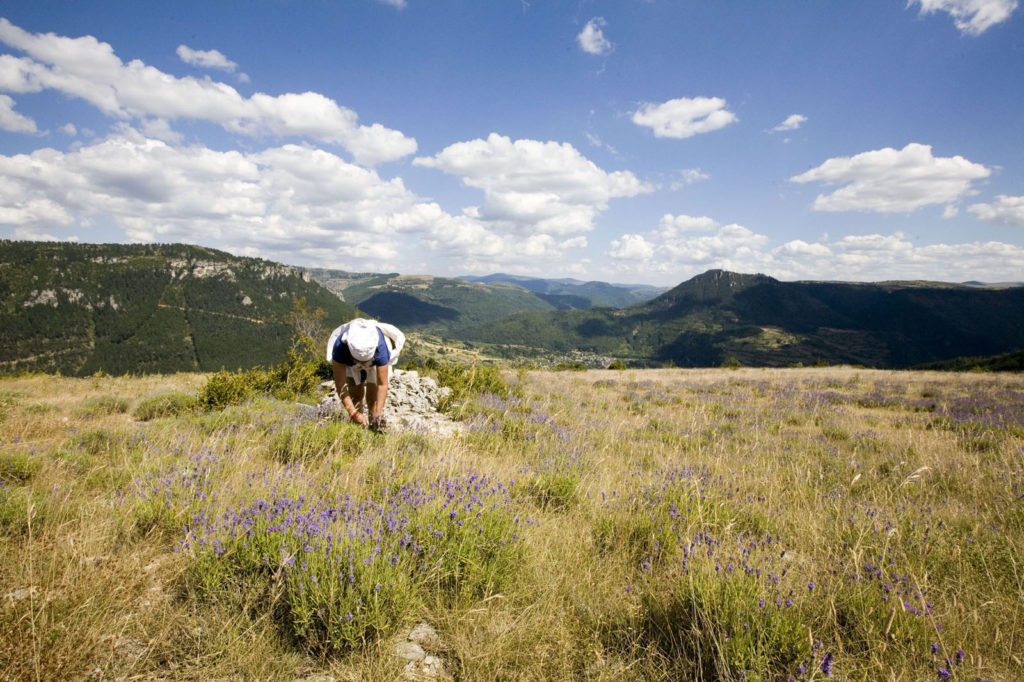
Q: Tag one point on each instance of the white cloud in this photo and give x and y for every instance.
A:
(729, 245)
(292, 203)
(160, 129)
(591, 39)
(533, 187)
(397, 4)
(1006, 210)
(682, 178)
(30, 235)
(892, 181)
(792, 122)
(972, 17)
(684, 117)
(798, 248)
(89, 69)
(631, 247)
(12, 121)
(683, 246)
(69, 129)
(207, 59)
(670, 226)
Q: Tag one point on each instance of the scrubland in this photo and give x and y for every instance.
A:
(658, 524)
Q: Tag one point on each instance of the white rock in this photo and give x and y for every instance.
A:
(426, 636)
(410, 651)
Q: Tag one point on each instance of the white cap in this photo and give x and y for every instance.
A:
(362, 340)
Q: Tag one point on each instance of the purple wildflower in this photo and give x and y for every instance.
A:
(826, 664)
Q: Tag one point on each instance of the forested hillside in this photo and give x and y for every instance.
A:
(449, 305)
(437, 304)
(80, 308)
(760, 321)
(570, 294)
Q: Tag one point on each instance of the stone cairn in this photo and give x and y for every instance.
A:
(411, 405)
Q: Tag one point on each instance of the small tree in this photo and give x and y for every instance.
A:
(308, 325)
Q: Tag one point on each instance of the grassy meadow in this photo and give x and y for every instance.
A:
(746, 524)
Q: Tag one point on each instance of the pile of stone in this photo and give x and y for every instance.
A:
(411, 404)
(421, 648)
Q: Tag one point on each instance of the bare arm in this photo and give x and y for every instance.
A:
(341, 384)
(382, 393)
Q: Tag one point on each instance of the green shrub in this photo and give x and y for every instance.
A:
(710, 627)
(225, 388)
(556, 489)
(169, 404)
(96, 441)
(8, 399)
(295, 377)
(41, 408)
(20, 507)
(575, 366)
(617, 364)
(308, 441)
(468, 381)
(100, 406)
(19, 467)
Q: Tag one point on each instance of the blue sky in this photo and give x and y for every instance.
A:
(630, 141)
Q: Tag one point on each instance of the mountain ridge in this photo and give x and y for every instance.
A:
(120, 308)
(758, 320)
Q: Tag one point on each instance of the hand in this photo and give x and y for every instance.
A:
(378, 423)
(358, 418)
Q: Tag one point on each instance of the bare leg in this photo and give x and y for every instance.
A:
(371, 398)
(357, 394)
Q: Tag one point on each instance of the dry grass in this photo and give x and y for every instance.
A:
(663, 513)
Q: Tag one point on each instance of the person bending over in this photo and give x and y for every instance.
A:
(361, 353)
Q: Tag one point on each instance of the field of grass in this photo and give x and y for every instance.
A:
(659, 524)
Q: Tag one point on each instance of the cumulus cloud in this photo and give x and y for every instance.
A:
(683, 246)
(12, 121)
(792, 122)
(207, 59)
(631, 247)
(591, 39)
(533, 187)
(972, 17)
(87, 68)
(671, 225)
(291, 203)
(684, 241)
(684, 117)
(1005, 210)
(893, 181)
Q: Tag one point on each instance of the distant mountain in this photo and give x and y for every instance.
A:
(448, 305)
(577, 294)
(440, 303)
(79, 308)
(764, 322)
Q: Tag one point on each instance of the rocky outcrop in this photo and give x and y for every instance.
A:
(411, 404)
